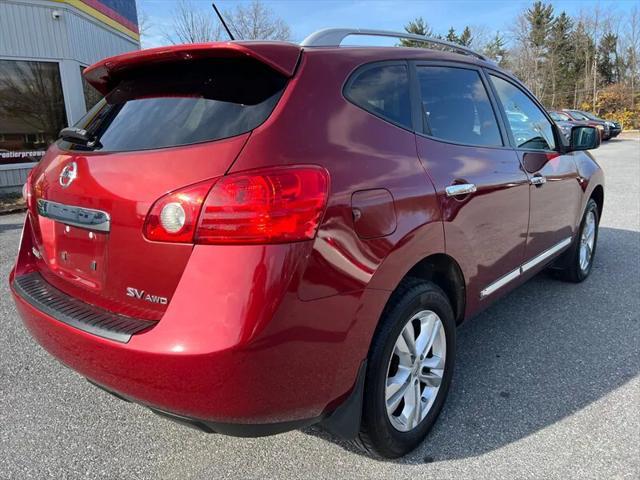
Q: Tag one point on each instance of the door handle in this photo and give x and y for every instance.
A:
(538, 180)
(460, 189)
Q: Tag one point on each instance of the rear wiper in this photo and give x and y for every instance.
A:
(79, 136)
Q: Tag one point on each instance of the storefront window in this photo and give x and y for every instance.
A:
(31, 109)
(91, 95)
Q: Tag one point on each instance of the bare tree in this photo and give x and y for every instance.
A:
(522, 53)
(31, 97)
(256, 21)
(594, 68)
(144, 23)
(482, 36)
(632, 50)
(191, 24)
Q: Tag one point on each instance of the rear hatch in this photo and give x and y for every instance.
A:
(170, 118)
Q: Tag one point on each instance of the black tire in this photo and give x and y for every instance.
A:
(377, 435)
(570, 260)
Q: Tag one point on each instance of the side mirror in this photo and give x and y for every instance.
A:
(584, 138)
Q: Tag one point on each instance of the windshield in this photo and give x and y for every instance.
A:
(181, 104)
(559, 117)
(591, 116)
(578, 115)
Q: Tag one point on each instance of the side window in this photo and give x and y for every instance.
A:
(456, 106)
(384, 91)
(529, 126)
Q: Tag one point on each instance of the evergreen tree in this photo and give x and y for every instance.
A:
(540, 17)
(567, 62)
(562, 60)
(608, 62)
(452, 36)
(465, 38)
(584, 50)
(496, 50)
(417, 27)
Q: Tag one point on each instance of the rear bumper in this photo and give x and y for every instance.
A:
(236, 350)
(233, 429)
(343, 420)
(173, 376)
(285, 377)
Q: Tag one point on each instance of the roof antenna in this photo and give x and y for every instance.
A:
(222, 20)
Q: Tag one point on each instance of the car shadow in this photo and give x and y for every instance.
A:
(539, 355)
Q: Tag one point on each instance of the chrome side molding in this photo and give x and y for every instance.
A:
(76, 216)
(512, 275)
(544, 255)
(501, 282)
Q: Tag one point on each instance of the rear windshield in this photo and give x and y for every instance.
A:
(182, 104)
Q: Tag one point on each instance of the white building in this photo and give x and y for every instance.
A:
(44, 46)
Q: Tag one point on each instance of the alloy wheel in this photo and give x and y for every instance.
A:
(587, 241)
(415, 370)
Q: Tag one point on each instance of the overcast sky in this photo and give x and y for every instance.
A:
(306, 16)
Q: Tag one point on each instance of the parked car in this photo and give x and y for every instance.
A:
(564, 122)
(614, 127)
(601, 125)
(252, 237)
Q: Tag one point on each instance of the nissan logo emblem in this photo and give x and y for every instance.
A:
(68, 174)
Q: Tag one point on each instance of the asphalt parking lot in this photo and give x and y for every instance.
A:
(547, 385)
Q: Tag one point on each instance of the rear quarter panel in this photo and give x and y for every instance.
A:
(315, 124)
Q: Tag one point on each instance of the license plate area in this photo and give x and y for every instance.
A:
(77, 254)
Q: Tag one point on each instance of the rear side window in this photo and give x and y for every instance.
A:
(456, 106)
(384, 91)
(182, 104)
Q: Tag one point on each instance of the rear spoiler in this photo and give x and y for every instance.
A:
(281, 56)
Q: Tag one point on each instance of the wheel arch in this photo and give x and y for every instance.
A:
(445, 272)
(442, 270)
(598, 196)
(411, 260)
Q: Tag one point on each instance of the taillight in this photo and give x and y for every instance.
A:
(276, 205)
(174, 217)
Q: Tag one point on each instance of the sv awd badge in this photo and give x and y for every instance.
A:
(147, 297)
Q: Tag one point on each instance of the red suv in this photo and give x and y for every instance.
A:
(252, 237)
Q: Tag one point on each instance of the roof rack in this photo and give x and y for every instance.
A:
(333, 37)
